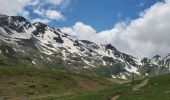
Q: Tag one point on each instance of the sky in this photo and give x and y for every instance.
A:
(137, 27)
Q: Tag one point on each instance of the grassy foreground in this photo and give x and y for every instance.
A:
(158, 88)
(28, 83)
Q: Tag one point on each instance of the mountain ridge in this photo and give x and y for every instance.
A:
(45, 45)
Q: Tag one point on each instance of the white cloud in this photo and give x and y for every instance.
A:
(34, 2)
(147, 35)
(62, 3)
(14, 7)
(38, 7)
(84, 30)
(80, 30)
(54, 15)
(56, 2)
(25, 14)
(69, 31)
(39, 12)
(50, 14)
(40, 20)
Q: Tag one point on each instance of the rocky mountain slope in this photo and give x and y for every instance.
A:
(26, 44)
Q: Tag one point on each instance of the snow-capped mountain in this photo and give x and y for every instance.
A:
(41, 45)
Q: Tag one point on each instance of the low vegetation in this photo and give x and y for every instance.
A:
(158, 88)
(37, 83)
(46, 84)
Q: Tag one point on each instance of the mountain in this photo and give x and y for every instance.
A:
(25, 44)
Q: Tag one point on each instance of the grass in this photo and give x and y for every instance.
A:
(158, 88)
(95, 95)
(28, 83)
(37, 83)
(103, 94)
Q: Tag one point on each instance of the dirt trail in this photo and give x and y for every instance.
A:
(51, 95)
(142, 84)
(134, 88)
(115, 97)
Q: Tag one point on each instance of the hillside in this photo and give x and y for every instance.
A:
(158, 88)
(154, 88)
(36, 83)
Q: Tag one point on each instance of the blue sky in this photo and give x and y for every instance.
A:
(103, 14)
(100, 14)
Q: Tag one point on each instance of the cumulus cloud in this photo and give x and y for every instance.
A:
(80, 30)
(46, 21)
(39, 12)
(56, 2)
(69, 31)
(54, 15)
(147, 35)
(14, 7)
(41, 8)
(50, 14)
(62, 3)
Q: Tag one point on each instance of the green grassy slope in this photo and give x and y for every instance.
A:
(28, 83)
(22, 83)
(158, 88)
(94, 95)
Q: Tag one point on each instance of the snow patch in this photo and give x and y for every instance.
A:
(33, 62)
(49, 59)
(113, 76)
(132, 69)
(6, 50)
(122, 76)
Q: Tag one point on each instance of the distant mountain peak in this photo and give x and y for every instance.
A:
(86, 41)
(17, 23)
(39, 24)
(156, 57)
(111, 47)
